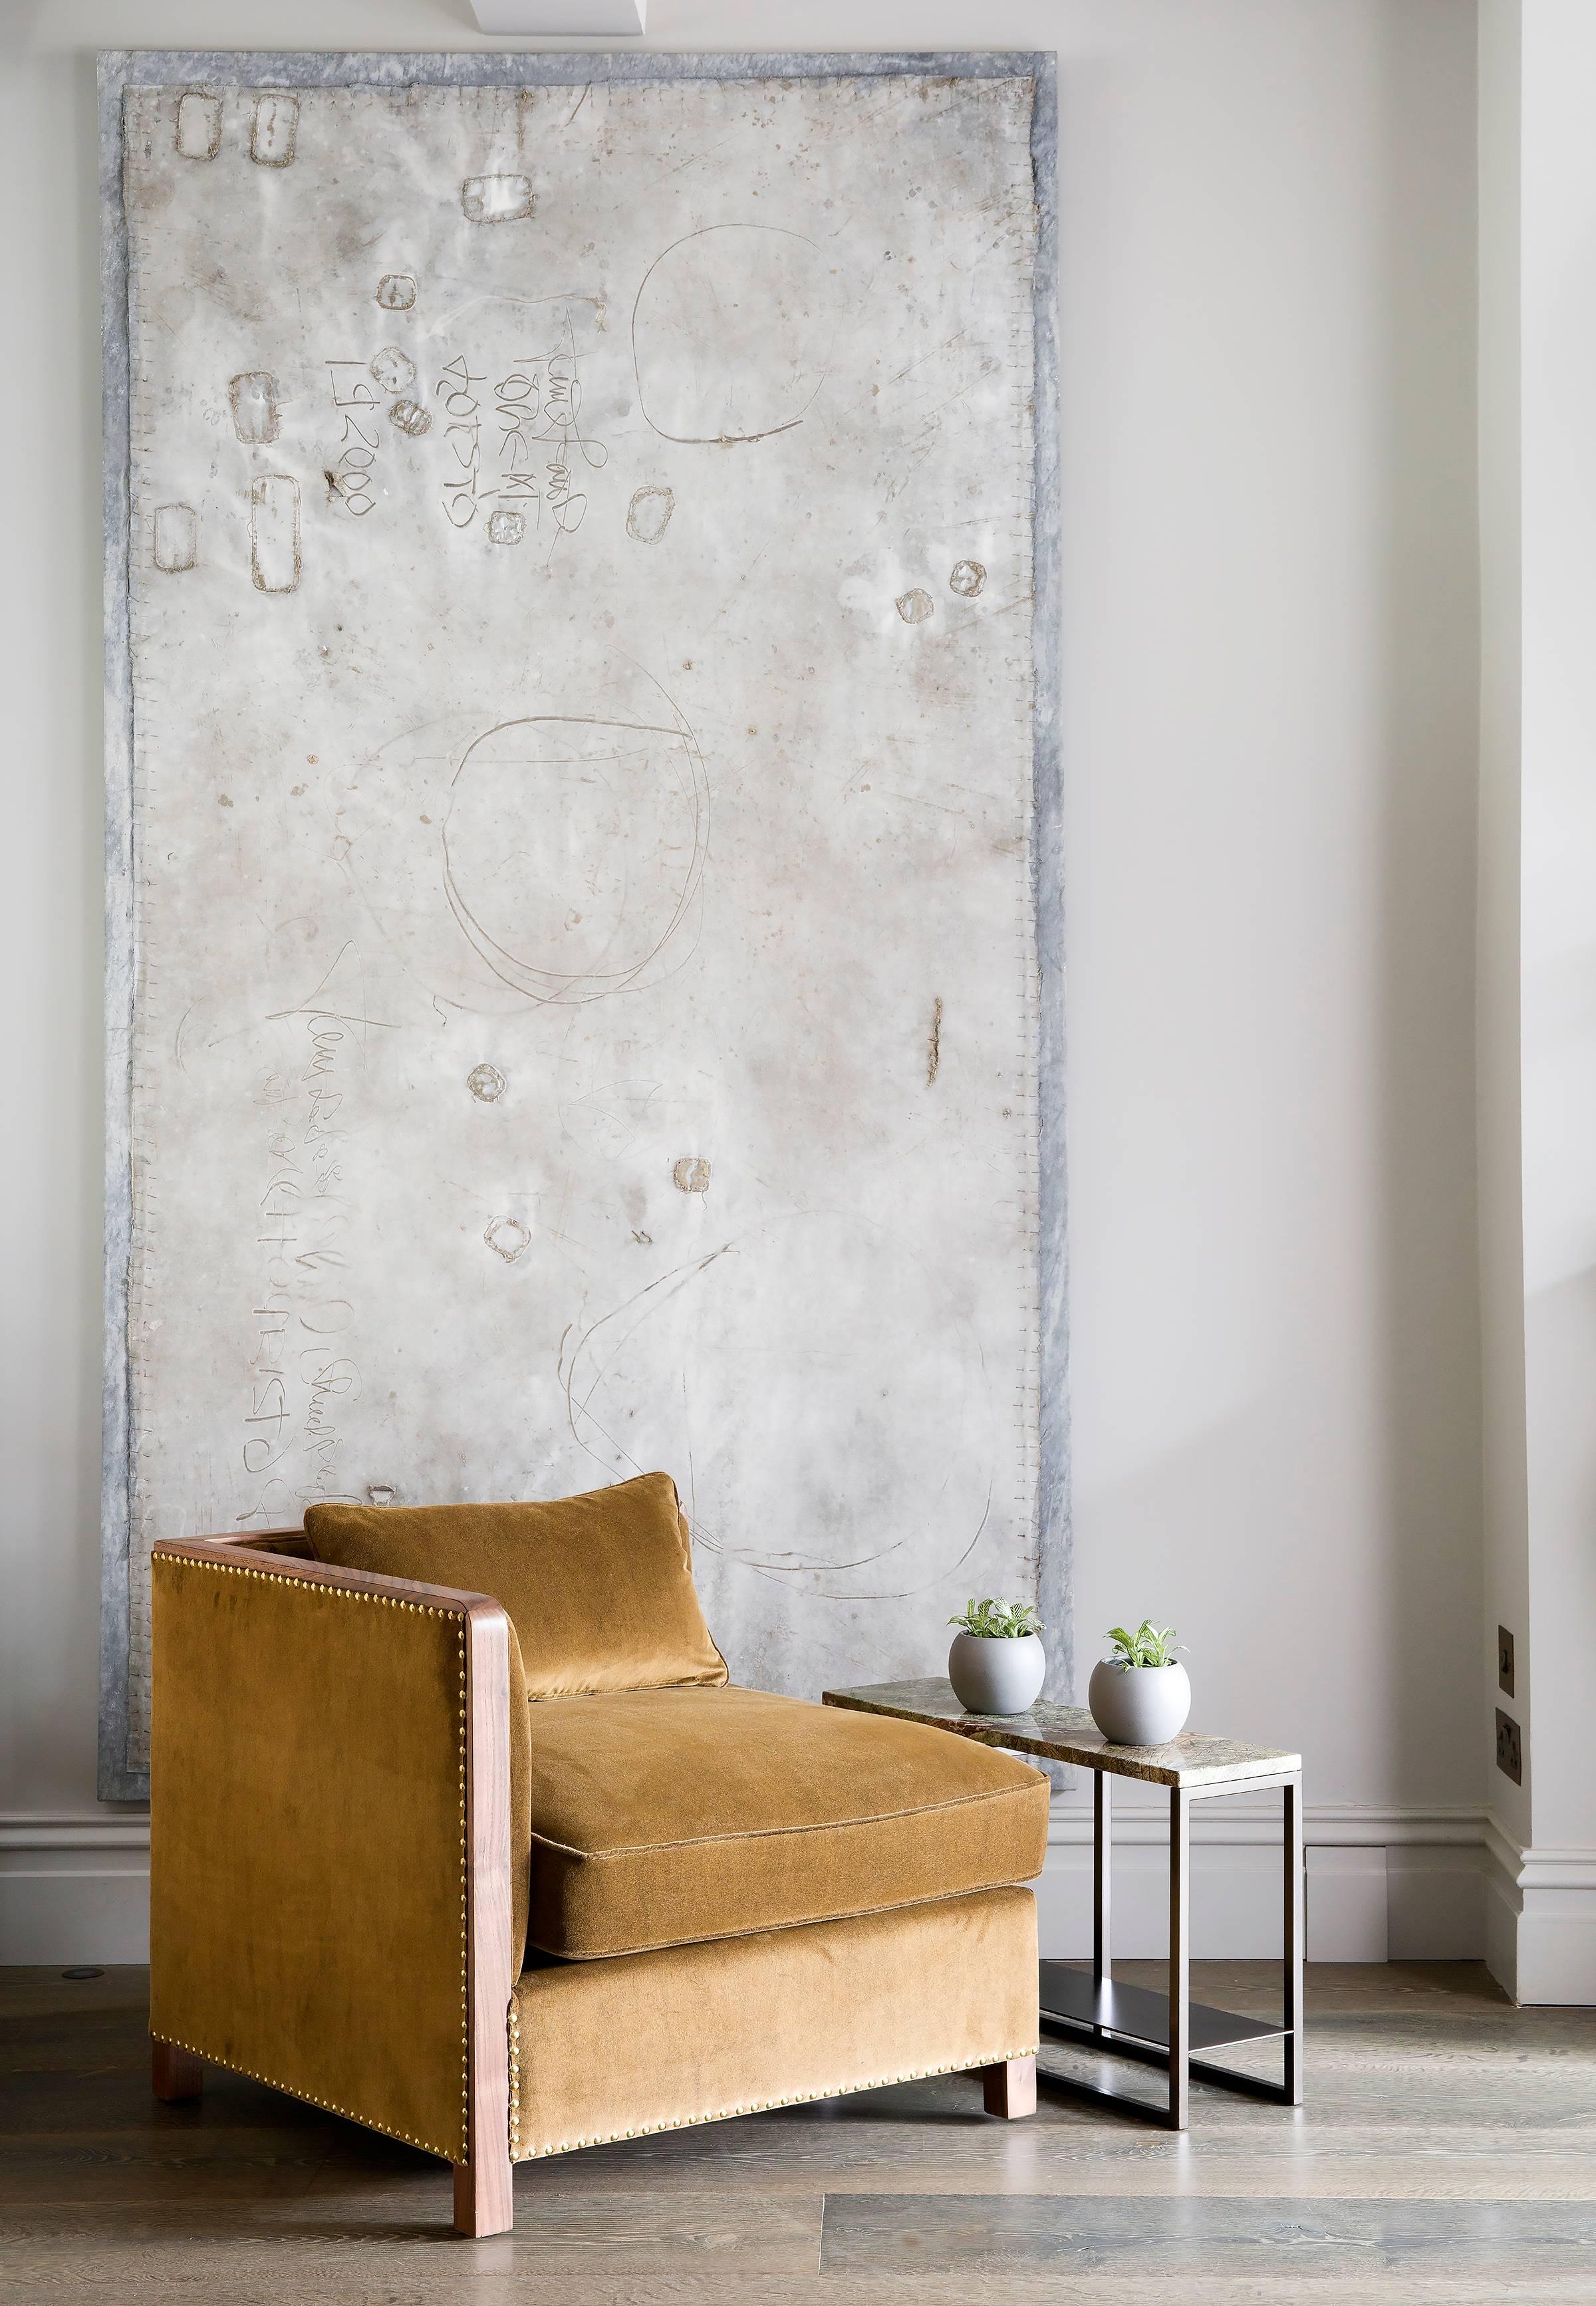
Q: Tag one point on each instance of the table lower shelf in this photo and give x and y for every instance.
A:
(1131, 2021)
(1135, 2014)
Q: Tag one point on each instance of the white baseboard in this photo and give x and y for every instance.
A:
(1391, 1885)
(1406, 1884)
(1435, 1903)
(74, 1889)
(1540, 1920)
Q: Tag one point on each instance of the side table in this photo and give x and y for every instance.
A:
(1130, 2020)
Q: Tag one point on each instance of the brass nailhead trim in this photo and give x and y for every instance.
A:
(418, 1610)
(292, 2090)
(729, 2112)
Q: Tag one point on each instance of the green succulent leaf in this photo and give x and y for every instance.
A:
(1149, 1645)
(995, 1620)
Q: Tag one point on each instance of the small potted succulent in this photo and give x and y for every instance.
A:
(1140, 1695)
(996, 1661)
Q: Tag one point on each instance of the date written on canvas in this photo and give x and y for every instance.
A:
(356, 401)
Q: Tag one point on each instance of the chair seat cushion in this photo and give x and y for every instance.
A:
(664, 1817)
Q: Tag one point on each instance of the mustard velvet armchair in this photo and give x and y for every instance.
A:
(390, 1878)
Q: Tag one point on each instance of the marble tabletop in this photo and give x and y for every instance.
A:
(1067, 1733)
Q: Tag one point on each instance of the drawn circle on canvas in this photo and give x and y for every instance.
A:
(550, 854)
(572, 847)
(811, 1448)
(731, 333)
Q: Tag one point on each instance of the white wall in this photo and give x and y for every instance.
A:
(1267, 305)
(1559, 879)
(1269, 645)
(1539, 964)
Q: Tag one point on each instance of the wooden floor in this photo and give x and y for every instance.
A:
(1447, 2153)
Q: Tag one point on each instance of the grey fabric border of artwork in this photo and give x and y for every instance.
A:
(121, 69)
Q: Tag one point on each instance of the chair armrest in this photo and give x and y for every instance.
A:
(331, 1906)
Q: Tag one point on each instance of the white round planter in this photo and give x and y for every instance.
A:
(1139, 1704)
(991, 1675)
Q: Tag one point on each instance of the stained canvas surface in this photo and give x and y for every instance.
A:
(584, 1012)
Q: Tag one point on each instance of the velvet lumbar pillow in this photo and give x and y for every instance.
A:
(599, 1588)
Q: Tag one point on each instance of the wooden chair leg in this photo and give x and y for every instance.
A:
(484, 2200)
(1011, 2089)
(175, 2073)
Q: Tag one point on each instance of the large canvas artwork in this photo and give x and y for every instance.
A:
(581, 685)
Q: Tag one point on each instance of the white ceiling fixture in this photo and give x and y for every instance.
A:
(624, 16)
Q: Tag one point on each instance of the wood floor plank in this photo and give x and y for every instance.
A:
(342, 2200)
(193, 2165)
(331, 2278)
(30, 1991)
(772, 2152)
(1355, 2076)
(622, 2234)
(40, 2106)
(1206, 2234)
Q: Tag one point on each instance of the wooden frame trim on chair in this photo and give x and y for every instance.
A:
(483, 2201)
(482, 2176)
